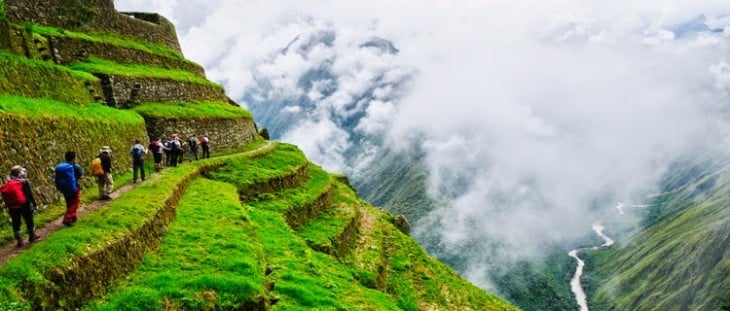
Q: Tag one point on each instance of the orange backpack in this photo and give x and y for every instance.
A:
(96, 168)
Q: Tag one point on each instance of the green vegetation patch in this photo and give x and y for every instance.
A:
(283, 161)
(300, 197)
(48, 108)
(419, 281)
(323, 232)
(147, 47)
(189, 110)
(95, 65)
(210, 258)
(307, 280)
(37, 79)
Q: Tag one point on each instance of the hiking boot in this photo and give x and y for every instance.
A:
(21, 243)
(68, 223)
(34, 237)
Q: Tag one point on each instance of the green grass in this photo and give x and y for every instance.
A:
(33, 64)
(307, 280)
(284, 160)
(48, 108)
(295, 198)
(96, 65)
(324, 230)
(185, 270)
(147, 47)
(194, 110)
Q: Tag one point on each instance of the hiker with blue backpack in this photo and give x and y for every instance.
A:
(19, 201)
(68, 175)
(138, 152)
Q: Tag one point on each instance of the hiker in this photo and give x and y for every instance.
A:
(193, 146)
(181, 151)
(204, 145)
(166, 148)
(157, 148)
(106, 180)
(68, 175)
(19, 201)
(138, 152)
(174, 149)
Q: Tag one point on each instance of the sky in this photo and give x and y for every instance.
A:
(535, 117)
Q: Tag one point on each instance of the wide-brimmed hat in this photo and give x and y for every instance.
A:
(105, 149)
(16, 170)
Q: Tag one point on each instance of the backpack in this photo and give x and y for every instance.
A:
(96, 168)
(12, 193)
(174, 145)
(65, 178)
(192, 143)
(137, 152)
(204, 140)
(154, 147)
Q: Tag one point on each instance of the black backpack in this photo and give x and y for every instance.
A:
(137, 152)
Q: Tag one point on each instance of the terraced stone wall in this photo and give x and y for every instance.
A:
(69, 50)
(223, 132)
(39, 143)
(35, 79)
(93, 15)
(123, 92)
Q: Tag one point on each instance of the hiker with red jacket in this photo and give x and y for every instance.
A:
(19, 201)
(68, 175)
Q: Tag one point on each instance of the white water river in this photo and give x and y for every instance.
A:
(575, 286)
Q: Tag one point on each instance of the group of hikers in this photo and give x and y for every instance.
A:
(18, 196)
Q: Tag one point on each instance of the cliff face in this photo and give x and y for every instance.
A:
(255, 229)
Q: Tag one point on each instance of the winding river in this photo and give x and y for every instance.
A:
(575, 286)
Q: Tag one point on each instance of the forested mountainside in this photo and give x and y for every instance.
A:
(255, 227)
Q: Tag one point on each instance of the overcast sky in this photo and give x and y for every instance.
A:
(534, 109)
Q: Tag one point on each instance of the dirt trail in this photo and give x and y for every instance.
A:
(9, 250)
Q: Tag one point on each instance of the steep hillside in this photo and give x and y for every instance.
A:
(255, 227)
(681, 260)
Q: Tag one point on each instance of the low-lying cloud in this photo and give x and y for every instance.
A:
(535, 118)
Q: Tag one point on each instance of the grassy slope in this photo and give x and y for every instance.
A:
(680, 261)
(192, 110)
(96, 65)
(185, 273)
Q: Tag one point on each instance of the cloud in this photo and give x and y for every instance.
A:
(535, 117)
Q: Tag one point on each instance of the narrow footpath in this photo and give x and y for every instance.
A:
(9, 250)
